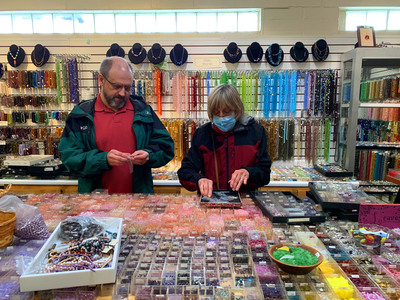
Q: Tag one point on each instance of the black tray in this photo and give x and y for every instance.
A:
(332, 206)
(46, 170)
(258, 195)
(222, 198)
(344, 173)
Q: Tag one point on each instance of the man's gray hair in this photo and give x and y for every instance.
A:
(107, 63)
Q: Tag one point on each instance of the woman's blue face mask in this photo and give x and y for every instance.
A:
(224, 123)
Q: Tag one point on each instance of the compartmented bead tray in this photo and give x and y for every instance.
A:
(285, 207)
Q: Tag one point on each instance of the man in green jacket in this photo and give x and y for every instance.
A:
(112, 142)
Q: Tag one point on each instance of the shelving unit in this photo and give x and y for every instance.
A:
(360, 65)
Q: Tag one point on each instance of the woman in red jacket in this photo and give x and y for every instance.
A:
(230, 152)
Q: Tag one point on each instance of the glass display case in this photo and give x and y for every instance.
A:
(369, 134)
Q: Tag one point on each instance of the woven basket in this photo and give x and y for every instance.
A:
(5, 190)
(7, 225)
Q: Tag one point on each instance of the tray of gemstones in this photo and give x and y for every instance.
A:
(339, 196)
(285, 207)
(62, 263)
(332, 170)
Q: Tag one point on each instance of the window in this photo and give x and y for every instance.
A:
(6, 24)
(227, 22)
(380, 19)
(186, 22)
(63, 23)
(166, 21)
(104, 23)
(22, 23)
(83, 23)
(248, 21)
(146, 23)
(125, 23)
(207, 22)
(394, 20)
(42, 23)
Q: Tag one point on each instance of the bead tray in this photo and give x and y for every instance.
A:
(34, 280)
(339, 196)
(291, 209)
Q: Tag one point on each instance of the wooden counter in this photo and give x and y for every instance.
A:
(70, 186)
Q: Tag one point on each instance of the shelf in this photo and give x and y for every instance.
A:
(377, 146)
(379, 104)
(392, 179)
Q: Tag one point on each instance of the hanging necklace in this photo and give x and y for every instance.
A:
(319, 53)
(15, 57)
(279, 57)
(233, 55)
(154, 57)
(301, 58)
(34, 60)
(140, 52)
(258, 58)
(180, 62)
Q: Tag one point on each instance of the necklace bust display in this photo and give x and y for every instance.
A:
(156, 54)
(320, 50)
(255, 52)
(232, 53)
(15, 55)
(178, 55)
(40, 55)
(137, 54)
(115, 50)
(299, 53)
(274, 55)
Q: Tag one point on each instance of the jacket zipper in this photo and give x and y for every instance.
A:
(227, 163)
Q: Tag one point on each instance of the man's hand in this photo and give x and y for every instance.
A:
(139, 157)
(238, 178)
(205, 186)
(117, 158)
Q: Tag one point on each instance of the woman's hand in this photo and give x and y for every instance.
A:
(205, 186)
(238, 178)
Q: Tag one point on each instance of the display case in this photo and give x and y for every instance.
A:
(369, 111)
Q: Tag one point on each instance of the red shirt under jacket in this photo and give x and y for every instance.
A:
(113, 130)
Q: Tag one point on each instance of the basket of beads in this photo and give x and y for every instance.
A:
(7, 225)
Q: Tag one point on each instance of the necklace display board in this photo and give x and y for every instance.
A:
(40, 55)
(15, 55)
(178, 55)
(299, 52)
(115, 50)
(255, 52)
(232, 53)
(137, 54)
(156, 54)
(274, 55)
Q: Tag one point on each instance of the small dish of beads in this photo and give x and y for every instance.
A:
(91, 259)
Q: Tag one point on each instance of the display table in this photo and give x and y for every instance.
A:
(175, 249)
(69, 186)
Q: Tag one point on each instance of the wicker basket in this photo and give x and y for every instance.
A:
(5, 191)
(7, 225)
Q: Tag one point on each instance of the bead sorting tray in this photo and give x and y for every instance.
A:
(331, 170)
(339, 196)
(34, 278)
(285, 207)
